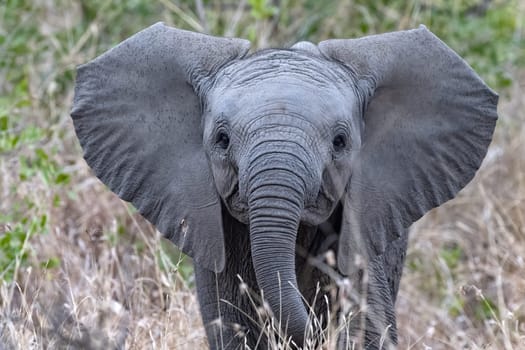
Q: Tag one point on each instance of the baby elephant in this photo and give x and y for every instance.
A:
(284, 172)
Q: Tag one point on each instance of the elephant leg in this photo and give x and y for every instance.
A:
(395, 255)
(222, 323)
(316, 272)
(374, 326)
(227, 298)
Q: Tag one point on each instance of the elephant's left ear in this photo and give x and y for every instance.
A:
(428, 124)
(138, 119)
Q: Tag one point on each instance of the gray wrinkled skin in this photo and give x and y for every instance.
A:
(276, 96)
(260, 166)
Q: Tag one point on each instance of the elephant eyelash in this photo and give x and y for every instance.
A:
(222, 139)
(340, 142)
(341, 139)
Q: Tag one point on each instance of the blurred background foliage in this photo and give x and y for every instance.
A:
(46, 189)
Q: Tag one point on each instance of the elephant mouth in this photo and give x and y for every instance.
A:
(321, 209)
(237, 207)
(314, 213)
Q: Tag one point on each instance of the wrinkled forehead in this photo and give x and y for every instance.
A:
(288, 79)
(272, 64)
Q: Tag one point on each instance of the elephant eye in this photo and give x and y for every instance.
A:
(222, 140)
(339, 142)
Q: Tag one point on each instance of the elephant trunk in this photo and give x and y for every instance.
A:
(276, 200)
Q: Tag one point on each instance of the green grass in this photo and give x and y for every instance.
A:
(77, 263)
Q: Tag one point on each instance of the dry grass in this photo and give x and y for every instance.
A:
(115, 286)
(108, 292)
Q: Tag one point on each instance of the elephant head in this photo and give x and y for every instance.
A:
(180, 123)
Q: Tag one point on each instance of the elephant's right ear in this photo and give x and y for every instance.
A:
(138, 120)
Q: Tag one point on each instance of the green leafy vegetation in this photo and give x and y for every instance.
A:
(451, 256)
(14, 246)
